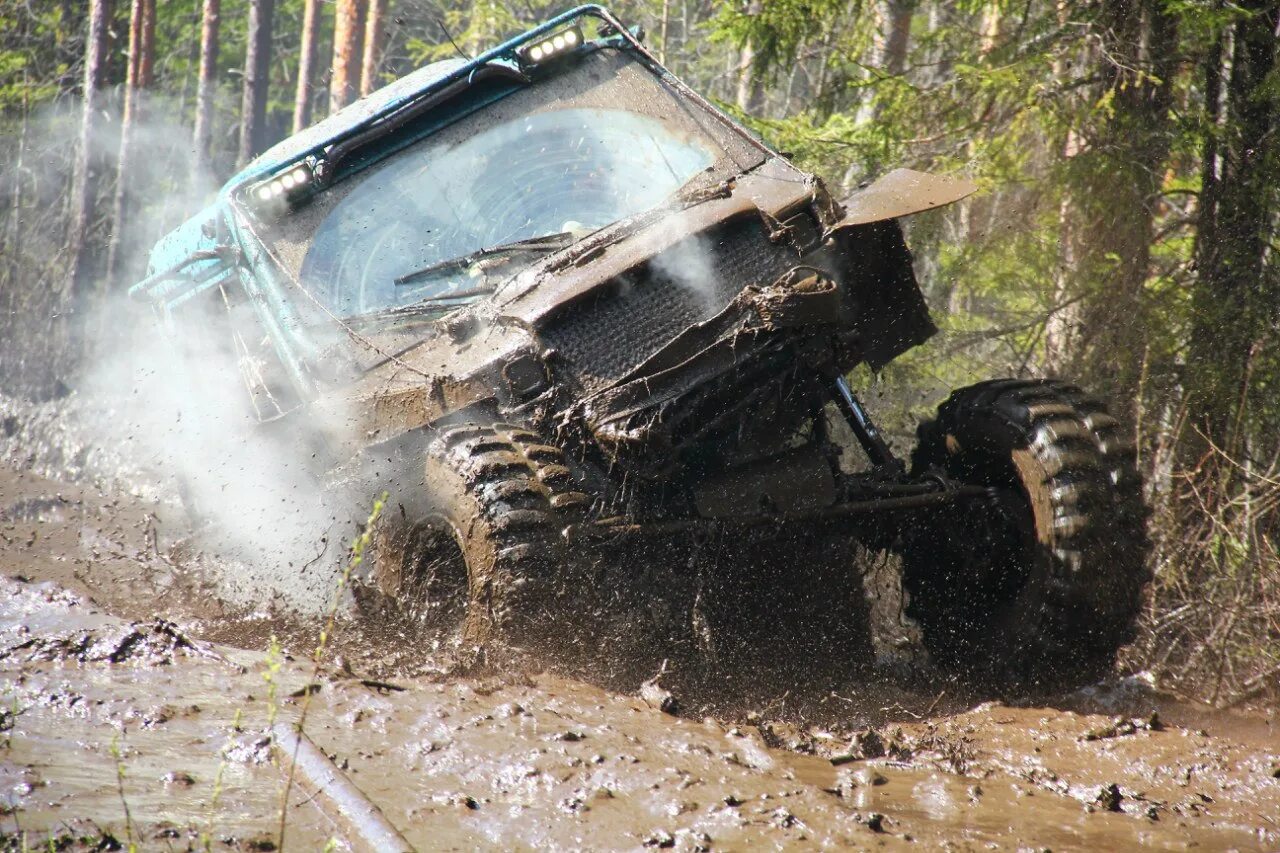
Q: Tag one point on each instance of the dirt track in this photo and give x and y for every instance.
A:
(109, 645)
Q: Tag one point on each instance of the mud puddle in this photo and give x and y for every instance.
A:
(138, 706)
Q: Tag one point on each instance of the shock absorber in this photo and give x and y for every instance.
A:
(869, 436)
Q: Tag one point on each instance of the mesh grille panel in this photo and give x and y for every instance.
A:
(606, 336)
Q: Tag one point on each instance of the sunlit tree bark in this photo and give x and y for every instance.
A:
(84, 181)
(208, 82)
(147, 46)
(139, 69)
(750, 95)
(257, 67)
(306, 65)
(373, 37)
(348, 33)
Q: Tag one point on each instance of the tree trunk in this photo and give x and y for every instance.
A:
(1235, 303)
(1115, 193)
(306, 65)
(662, 31)
(147, 46)
(348, 28)
(121, 216)
(257, 74)
(750, 96)
(1062, 327)
(373, 34)
(897, 35)
(892, 44)
(15, 219)
(208, 84)
(84, 182)
(991, 21)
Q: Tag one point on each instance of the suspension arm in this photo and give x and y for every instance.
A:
(869, 436)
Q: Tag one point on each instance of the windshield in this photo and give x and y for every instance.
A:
(526, 175)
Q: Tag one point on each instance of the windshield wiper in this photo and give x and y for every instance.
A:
(471, 293)
(544, 243)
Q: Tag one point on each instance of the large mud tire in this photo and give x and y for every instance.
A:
(1039, 586)
(487, 555)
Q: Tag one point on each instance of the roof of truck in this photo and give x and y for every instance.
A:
(384, 101)
(350, 117)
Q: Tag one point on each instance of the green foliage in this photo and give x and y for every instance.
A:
(118, 754)
(778, 29)
(271, 675)
(40, 49)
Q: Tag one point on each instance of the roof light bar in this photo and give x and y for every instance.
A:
(271, 194)
(550, 47)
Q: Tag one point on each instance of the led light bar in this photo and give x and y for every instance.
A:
(288, 185)
(551, 47)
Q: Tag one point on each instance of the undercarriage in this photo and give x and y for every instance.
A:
(1017, 524)
(801, 487)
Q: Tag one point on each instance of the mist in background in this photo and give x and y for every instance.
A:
(164, 413)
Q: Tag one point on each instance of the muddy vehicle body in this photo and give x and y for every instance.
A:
(553, 301)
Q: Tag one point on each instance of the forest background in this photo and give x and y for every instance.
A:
(1125, 235)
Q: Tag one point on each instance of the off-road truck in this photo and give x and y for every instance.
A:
(552, 299)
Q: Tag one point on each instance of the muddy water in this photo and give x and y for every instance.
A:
(119, 722)
(128, 734)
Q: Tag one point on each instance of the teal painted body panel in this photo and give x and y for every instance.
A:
(176, 270)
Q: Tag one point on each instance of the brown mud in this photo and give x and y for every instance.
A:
(135, 705)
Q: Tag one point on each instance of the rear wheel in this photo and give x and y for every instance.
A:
(1040, 584)
(486, 559)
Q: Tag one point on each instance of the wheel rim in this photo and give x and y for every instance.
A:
(426, 576)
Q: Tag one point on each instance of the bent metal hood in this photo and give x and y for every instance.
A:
(622, 309)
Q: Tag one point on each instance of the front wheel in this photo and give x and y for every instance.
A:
(1040, 584)
(485, 560)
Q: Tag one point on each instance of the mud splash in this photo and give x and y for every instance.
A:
(114, 655)
(548, 762)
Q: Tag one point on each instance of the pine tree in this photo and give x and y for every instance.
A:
(142, 15)
(306, 64)
(208, 83)
(1237, 299)
(257, 67)
(348, 32)
(373, 38)
(84, 181)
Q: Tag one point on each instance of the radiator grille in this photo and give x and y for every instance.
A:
(606, 336)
